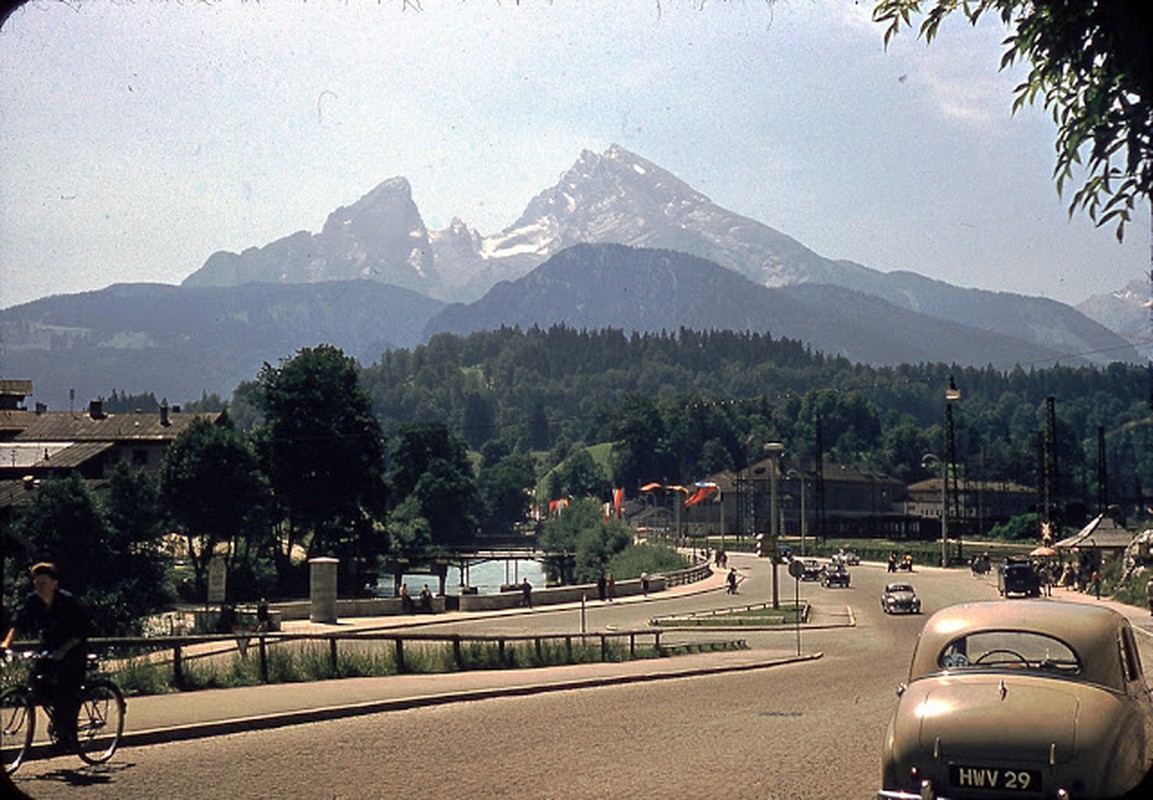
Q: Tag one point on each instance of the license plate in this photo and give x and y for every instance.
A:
(996, 779)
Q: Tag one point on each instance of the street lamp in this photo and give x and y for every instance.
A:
(952, 394)
(926, 461)
(804, 520)
(774, 449)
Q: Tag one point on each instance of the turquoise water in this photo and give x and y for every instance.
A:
(487, 577)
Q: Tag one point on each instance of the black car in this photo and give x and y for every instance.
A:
(835, 576)
(1018, 577)
(813, 569)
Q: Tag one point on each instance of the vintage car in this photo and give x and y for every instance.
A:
(846, 557)
(1036, 699)
(900, 598)
(835, 576)
(813, 569)
(1018, 577)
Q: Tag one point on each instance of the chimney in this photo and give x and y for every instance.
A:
(164, 413)
(96, 409)
(41, 408)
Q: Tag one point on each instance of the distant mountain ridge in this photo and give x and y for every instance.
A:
(1128, 311)
(638, 289)
(617, 242)
(179, 342)
(620, 198)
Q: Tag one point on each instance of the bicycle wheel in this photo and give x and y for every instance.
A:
(17, 726)
(100, 722)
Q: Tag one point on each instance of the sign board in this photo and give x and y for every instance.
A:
(796, 569)
(217, 580)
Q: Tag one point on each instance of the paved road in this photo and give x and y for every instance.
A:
(803, 730)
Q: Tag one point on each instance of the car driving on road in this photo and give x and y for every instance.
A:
(1018, 577)
(835, 576)
(813, 569)
(900, 598)
(1036, 699)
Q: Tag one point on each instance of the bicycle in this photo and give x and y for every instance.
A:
(99, 723)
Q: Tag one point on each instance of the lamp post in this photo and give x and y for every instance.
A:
(774, 449)
(804, 520)
(926, 460)
(952, 394)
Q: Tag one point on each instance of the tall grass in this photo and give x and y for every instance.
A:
(299, 662)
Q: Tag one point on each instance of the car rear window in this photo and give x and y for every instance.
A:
(1013, 650)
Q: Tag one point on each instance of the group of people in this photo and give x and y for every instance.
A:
(407, 603)
(906, 562)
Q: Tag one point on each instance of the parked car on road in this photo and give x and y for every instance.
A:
(900, 598)
(1037, 699)
(1018, 576)
(835, 576)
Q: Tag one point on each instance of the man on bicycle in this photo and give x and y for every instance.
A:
(62, 627)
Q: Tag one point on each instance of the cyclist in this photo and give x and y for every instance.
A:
(57, 618)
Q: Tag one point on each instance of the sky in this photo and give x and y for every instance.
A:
(137, 137)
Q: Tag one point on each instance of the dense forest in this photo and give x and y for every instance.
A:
(680, 406)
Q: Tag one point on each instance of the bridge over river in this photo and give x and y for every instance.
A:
(483, 569)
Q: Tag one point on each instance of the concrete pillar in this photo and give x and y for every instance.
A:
(322, 589)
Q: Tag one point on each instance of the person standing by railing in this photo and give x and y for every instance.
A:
(59, 621)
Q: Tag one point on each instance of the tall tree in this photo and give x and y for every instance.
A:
(324, 451)
(135, 524)
(432, 466)
(117, 580)
(215, 491)
(579, 475)
(639, 454)
(1090, 62)
(582, 532)
(503, 485)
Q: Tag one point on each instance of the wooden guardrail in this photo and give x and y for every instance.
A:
(184, 648)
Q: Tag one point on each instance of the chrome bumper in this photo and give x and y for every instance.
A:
(927, 793)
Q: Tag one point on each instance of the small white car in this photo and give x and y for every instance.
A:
(900, 598)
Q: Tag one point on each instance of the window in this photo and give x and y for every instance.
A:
(1010, 650)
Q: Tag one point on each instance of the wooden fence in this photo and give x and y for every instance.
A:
(176, 650)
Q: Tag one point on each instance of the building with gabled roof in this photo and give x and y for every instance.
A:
(39, 444)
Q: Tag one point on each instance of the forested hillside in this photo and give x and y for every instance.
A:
(682, 405)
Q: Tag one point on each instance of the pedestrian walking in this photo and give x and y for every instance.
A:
(732, 581)
(526, 591)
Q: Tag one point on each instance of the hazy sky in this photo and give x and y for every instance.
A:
(138, 137)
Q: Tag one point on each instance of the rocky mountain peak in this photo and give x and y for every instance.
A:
(389, 204)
